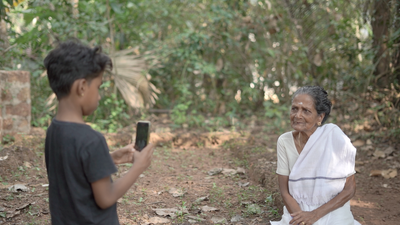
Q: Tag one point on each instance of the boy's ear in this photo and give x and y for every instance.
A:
(81, 86)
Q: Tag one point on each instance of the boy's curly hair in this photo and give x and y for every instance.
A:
(72, 60)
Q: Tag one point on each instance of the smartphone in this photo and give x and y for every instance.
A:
(142, 135)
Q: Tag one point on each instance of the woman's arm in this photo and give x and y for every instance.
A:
(291, 204)
(348, 192)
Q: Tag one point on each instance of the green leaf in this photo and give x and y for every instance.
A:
(271, 52)
(116, 8)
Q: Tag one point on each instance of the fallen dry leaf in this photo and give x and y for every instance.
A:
(27, 164)
(375, 173)
(208, 209)
(214, 171)
(358, 143)
(201, 199)
(176, 192)
(387, 174)
(241, 170)
(390, 173)
(18, 187)
(169, 212)
(229, 172)
(389, 150)
(24, 206)
(158, 220)
(379, 154)
(218, 220)
(196, 218)
(11, 214)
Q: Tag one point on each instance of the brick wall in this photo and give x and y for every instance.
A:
(15, 102)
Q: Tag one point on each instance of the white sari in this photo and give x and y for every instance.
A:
(319, 174)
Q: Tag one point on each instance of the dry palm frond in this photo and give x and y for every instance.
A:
(130, 78)
(129, 93)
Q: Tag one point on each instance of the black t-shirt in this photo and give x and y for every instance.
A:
(77, 156)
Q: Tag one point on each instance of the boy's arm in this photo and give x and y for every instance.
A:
(123, 155)
(107, 193)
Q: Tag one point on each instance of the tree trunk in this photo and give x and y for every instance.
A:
(380, 28)
(3, 36)
(396, 55)
(75, 13)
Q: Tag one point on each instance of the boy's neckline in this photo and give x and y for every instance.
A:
(68, 122)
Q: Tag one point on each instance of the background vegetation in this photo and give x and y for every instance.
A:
(220, 61)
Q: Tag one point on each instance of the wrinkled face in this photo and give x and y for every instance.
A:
(303, 115)
(92, 96)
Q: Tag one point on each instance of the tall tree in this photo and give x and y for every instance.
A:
(3, 36)
(396, 55)
(380, 28)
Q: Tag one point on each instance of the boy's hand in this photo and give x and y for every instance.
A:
(107, 193)
(143, 158)
(123, 155)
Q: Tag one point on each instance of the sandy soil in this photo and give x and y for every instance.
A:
(243, 189)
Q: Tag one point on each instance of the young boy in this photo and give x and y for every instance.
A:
(79, 165)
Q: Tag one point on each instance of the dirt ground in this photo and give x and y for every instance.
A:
(224, 177)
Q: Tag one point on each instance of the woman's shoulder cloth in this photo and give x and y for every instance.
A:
(285, 136)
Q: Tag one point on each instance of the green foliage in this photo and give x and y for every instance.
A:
(7, 139)
(277, 114)
(213, 59)
(253, 209)
(216, 194)
(110, 115)
(40, 92)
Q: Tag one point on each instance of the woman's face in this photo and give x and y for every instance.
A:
(303, 115)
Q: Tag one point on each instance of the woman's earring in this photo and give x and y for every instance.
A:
(319, 123)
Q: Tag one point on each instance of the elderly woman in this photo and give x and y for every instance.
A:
(315, 164)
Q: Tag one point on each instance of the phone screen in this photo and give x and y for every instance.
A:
(142, 135)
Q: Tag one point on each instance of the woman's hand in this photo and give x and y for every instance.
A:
(123, 155)
(304, 218)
